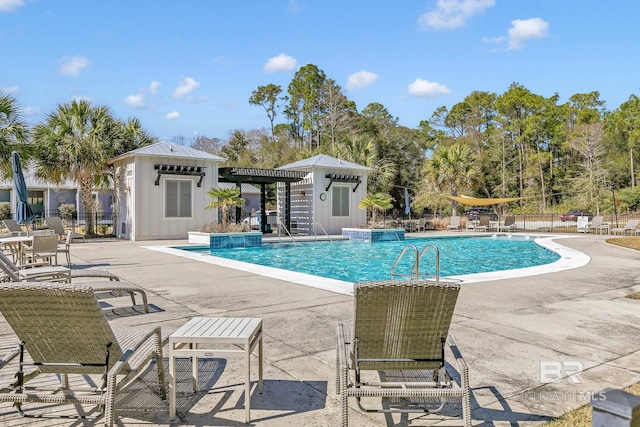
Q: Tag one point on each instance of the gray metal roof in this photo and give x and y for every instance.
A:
(33, 182)
(244, 187)
(169, 149)
(323, 161)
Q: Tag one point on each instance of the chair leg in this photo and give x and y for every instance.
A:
(345, 409)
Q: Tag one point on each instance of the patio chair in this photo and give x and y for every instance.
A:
(582, 224)
(59, 273)
(400, 329)
(55, 223)
(508, 225)
(13, 227)
(42, 251)
(483, 224)
(62, 332)
(631, 226)
(65, 247)
(597, 224)
(454, 223)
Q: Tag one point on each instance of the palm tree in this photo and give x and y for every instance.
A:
(377, 202)
(362, 150)
(224, 198)
(14, 133)
(452, 169)
(76, 141)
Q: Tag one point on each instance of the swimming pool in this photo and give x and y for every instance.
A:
(567, 258)
(352, 261)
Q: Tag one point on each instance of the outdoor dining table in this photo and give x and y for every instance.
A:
(15, 243)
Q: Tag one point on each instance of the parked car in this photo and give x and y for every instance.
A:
(574, 213)
(254, 220)
(474, 214)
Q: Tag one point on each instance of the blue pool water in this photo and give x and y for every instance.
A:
(352, 261)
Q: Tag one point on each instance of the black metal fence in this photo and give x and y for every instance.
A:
(102, 223)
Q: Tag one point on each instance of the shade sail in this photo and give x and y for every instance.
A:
(24, 214)
(477, 201)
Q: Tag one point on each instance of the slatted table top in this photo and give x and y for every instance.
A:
(221, 329)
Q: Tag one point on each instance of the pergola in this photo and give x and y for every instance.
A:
(263, 177)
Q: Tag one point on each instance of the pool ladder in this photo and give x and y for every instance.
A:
(415, 268)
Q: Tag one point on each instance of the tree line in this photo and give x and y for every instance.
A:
(553, 156)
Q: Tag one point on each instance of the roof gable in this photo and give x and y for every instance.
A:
(168, 149)
(324, 161)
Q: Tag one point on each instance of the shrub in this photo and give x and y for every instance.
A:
(5, 210)
(67, 211)
(230, 227)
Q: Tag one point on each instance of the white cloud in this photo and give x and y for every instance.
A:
(188, 85)
(31, 111)
(10, 5)
(153, 87)
(524, 29)
(361, 79)
(281, 62)
(426, 89)
(450, 14)
(10, 90)
(173, 115)
(499, 39)
(71, 66)
(135, 101)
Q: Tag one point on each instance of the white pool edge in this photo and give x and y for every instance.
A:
(569, 259)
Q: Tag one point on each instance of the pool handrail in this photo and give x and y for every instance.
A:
(415, 268)
(325, 232)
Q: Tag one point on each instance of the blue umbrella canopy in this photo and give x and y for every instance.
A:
(407, 205)
(24, 214)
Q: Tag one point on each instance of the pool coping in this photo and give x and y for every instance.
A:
(569, 259)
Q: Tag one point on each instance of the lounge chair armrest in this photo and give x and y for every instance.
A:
(130, 351)
(462, 365)
(342, 355)
(9, 356)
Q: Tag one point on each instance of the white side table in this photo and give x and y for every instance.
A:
(196, 339)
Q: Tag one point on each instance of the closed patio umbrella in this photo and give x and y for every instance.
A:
(407, 205)
(24, 214)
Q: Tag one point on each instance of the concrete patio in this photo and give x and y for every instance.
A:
(506, 330)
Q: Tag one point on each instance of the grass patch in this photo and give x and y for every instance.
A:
(626, 242)
(581, 417)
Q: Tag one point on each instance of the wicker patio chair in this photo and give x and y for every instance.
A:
(55, 223)
(59, 273)
(64, 332)
(13, 227)
(508, 225)
(454, 223)
(400, 329)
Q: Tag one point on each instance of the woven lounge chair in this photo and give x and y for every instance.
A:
(631, 226)
(483, 223)
(508, 225)
(64, 332)
(55, 223)
(582, 224)
(400, 329)
(13, 227)
(59, 273)
(454, 223)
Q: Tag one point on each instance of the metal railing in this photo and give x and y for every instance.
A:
(102, 223)
(538, 223)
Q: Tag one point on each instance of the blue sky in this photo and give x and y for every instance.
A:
(188, 68)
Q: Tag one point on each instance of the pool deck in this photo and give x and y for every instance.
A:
(505, 329)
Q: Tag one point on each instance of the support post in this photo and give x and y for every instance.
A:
(615, 408)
